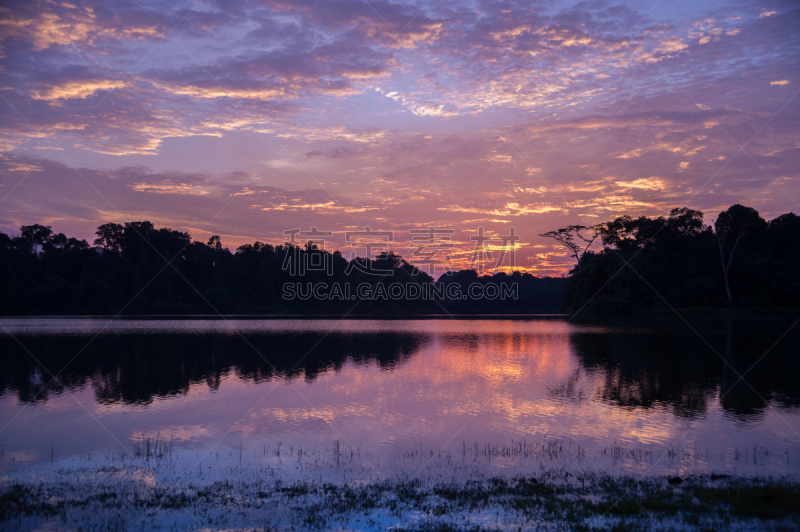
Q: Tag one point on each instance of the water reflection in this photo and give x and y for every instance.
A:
(687, 370)
(134, 362)
(397, 385)
(135, 368)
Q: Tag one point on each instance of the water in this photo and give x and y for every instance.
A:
(377, 398)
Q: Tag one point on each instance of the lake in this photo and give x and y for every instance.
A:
(379, 398)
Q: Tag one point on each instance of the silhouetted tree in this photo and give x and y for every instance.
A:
(138, 268)
(733, 226)
(110, 237)
(569, 236)
(36, 235)
(679, 258)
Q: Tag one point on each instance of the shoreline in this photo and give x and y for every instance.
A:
(125, 499)
(641, 313)
(291, 487)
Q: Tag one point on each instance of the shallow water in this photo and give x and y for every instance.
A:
(388, 397)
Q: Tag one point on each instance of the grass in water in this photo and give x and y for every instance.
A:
(548, 501)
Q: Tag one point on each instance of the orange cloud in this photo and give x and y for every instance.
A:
(76, 89)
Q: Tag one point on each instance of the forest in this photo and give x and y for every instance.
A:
(740, 261)
(136, 268)
(621, 266)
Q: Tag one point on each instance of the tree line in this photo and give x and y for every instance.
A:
(138, 268)
(741, 260)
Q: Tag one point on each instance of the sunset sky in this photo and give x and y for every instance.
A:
(248, 118)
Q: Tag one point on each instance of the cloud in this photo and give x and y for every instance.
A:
(57, 193)
(394, 25)
(329, 206)
(438, 63)
(170, 188)
(40, 25)
(50, 29)
(76, 89)
(431, 109)
(649, 183)
(540, 116)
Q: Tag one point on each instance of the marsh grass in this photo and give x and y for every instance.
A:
(547, 501)
(153, 450)
(293, 487)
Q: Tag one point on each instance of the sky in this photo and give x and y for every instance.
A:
(246, 119)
